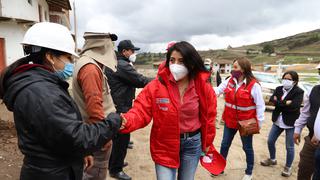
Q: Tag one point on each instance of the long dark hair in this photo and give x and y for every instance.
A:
(36, 58)
(245, 65)
(191, 58)
(294, 75)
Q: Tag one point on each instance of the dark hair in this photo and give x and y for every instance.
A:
(294, 75)
(35, 58)
(245, 65)
(191, 58)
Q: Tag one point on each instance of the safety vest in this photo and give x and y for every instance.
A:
(239, 104)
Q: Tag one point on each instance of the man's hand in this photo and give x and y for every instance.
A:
(88, 162)
(315, 141)
(296, 138)
(288, 102)
(107, 146)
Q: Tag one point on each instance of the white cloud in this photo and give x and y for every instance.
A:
(208, 24)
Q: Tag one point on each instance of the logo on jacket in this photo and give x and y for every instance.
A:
(162, 100)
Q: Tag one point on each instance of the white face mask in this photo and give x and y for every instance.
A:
(132, 58)
(178, 71)
(287, 84)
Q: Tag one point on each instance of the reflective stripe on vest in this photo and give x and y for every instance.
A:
(240, 108)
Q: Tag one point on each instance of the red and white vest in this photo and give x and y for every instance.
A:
(239, 104)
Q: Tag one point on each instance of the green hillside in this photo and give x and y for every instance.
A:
(299, 48)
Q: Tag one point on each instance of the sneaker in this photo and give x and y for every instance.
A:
(120, 176)
(268, 162)
(247, 177)
(287, 171)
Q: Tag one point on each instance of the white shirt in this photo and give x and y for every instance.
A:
(256, 94)
(317, 126)
(301, 122)
(279, 121)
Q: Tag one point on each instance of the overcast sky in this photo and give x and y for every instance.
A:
(207, 24)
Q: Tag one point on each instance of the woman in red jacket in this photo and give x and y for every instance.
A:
(182, 104)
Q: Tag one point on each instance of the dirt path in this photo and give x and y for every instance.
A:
(141, 167)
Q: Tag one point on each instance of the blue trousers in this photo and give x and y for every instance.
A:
(228, 135)
(190, 152)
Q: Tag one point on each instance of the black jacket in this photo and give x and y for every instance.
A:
(314, 108)
(291, 112)
(51, 133)
(123, 84)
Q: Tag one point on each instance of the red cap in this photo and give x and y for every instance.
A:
(213, 161)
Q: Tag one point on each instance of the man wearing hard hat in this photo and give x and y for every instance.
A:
(92, 93)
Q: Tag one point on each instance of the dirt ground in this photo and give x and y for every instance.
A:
(141, 167)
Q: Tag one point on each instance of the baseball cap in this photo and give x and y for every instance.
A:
(126, 44)
(213, 162)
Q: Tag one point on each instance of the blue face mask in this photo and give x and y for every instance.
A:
(66, 72)
(207, 67)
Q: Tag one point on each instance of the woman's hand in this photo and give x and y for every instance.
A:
(124, 121)
(296, 138)
(88, 162)
(206, 150)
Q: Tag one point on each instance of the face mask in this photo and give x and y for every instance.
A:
(132, 58)
(236, 74)
(207, 67)
(287, 84)
(178, 71)
(66, 72)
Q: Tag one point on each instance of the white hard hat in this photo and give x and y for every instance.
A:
(318, 67)
(50, 35)
(207, 61)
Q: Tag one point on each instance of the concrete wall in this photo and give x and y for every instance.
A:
(21, 9)
(13, 35)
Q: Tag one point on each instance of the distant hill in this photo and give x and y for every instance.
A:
(299, 48)
(307, 42)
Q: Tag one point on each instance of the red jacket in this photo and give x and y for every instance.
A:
(239, 104)
(155, 102)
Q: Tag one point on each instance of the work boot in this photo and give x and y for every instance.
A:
(268, 162)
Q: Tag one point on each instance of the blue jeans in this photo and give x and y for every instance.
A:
(228, 135)
(190, 151)
(316, 175)
(273, 136)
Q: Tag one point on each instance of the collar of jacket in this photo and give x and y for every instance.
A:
(27, 67)
(122, 57)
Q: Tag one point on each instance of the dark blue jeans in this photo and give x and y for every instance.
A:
(275, 132)
(316, 175)
(228, 135)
